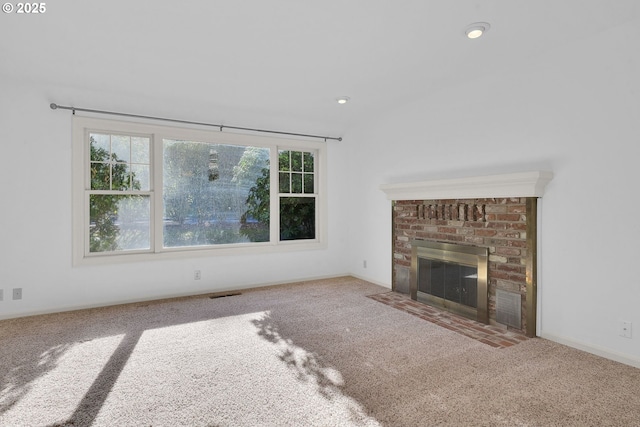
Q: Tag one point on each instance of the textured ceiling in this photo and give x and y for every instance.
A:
(281, 63)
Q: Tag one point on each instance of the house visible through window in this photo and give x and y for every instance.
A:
(150, 190)
(206, 190)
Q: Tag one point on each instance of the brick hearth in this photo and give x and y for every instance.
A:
(491, 335)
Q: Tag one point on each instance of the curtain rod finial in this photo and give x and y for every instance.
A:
(53, 106)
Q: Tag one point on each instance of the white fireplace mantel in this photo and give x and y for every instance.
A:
(520, 184)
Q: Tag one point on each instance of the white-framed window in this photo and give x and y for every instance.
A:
(145, 191)
(297, 194)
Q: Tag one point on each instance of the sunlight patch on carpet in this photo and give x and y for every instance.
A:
(224, 371)
(54, 396)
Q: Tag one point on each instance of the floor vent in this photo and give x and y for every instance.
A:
(232, 294)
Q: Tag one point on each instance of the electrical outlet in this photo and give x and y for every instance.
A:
(625, 329)
(197, 275)
(364, 263)
(1, 294)
(17, 293)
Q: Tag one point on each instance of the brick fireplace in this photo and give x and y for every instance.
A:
(498, 213)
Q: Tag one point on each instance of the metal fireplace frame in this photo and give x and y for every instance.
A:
(473, 256)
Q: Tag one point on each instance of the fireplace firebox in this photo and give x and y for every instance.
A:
(450, 276)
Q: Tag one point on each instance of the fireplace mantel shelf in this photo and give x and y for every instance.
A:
(520, 184)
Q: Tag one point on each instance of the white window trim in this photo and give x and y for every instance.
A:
(80, 153)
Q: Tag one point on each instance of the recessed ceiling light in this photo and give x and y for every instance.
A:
(343, 99)
(477, 29)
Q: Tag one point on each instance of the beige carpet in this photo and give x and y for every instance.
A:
(312, 354)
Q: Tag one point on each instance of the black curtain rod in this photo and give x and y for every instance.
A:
(221, 127)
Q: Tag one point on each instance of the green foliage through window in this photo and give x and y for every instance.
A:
(296, 177)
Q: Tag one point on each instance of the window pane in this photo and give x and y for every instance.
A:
(121, 148)
(100, 147)
(139, 150)
(100, 176)
(214, 194)
(308, 183)
(296, 161)
(283, 160)
(120, 177)
(119, 223)
(284, 186)
(297, 218)
(296, 183)
(140, 177)
(308, 162)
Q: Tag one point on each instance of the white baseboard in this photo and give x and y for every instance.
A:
(375, 282)
(627, 359)
(240, 287)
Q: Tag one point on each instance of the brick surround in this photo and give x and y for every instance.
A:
(499, 224)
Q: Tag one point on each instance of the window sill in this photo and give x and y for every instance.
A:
(186, 253)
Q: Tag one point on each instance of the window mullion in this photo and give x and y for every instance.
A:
(157, 235)
(86, 243)
(274, 196)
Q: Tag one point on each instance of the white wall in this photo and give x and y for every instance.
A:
(574, 111)
(35, 221)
